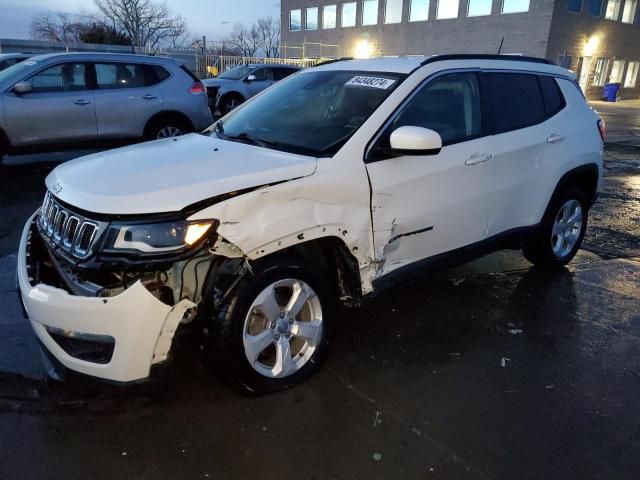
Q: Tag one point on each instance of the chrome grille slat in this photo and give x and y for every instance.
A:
(67, 230)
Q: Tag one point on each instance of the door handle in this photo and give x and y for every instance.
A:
(82, 102)
(478, 158)
(148, 96)
(554, 138)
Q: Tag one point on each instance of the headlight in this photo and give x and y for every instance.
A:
(157, 237)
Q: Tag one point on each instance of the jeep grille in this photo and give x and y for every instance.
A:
(63, 228)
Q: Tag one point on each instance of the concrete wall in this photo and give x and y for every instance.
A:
(570, 33)
(524, 33)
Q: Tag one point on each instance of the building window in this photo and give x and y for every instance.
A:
(629, 12)
(613, 10)
(574, 6)
(329, 16)
(595, 7)
(419, 11)
(477, 8)
(393, 11)
(616, 71)
(632, 74)
(369, 12)
(349, 14)
(515, 6)
(565, 61)
(312, 18)
(295, 20)
(600, 73)
(447, 9)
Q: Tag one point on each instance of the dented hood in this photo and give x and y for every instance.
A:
(169, 175)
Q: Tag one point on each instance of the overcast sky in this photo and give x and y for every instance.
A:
(213, 18)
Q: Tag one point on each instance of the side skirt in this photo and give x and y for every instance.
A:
(513, 239)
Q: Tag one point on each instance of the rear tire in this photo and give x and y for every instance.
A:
(167, 127)
(561, 232)
(230, 102)
(256, 344)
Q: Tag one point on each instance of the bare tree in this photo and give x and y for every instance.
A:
(148, 23)
(54, 27)
(61, 27)
(245, 40)
(269, 32)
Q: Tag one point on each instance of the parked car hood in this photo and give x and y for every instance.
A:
(170, 174)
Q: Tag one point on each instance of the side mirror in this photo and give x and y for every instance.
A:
(415, 141)
(22, 87)
(251, 78)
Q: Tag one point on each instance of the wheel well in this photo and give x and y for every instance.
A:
(584, 177)
(334, 258)
(168, 115)
(231, 94)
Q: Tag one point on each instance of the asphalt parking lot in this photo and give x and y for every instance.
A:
(493, 370)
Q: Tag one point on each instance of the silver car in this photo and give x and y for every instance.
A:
(241, 83)
(73, 99)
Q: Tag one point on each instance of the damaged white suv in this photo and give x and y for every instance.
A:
(333, 184)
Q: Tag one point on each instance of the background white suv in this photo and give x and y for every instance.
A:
(332, 185)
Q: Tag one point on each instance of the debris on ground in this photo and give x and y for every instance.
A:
(377, 457)
(504, 361)
(551, 386)
(377, 420)
(515, 331)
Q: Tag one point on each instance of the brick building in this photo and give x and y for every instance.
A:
(598, 39)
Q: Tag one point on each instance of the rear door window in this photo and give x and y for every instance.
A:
(553, 99)
(111, 76)
(514, 100)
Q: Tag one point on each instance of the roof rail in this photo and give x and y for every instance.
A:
(334, 60)
(484, 56)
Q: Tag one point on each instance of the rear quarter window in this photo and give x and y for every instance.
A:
(514, 100)
(155, 74)
(553, 99)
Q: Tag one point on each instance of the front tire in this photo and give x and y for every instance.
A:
(167, 128)
(561, 232)
(272, 332)
(230, 102)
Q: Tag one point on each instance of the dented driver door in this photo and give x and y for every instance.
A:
(425, 205)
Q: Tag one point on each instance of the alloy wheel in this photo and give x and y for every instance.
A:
(168, 132)
(283, 328)
(566, 228)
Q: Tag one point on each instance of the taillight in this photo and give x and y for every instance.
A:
(198, 88)
(602, 128)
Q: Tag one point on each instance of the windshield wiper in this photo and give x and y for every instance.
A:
(245, 137)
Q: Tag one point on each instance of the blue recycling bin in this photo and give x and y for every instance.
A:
(610, 91)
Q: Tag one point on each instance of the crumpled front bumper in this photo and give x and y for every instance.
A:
(141, 325)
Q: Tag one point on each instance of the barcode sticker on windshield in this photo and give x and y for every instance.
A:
(372, 82)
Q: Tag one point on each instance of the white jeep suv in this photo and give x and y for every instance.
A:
(328, 187)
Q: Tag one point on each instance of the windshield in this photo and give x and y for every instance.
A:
(311, 113)
(236, 73)
(15, 70)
